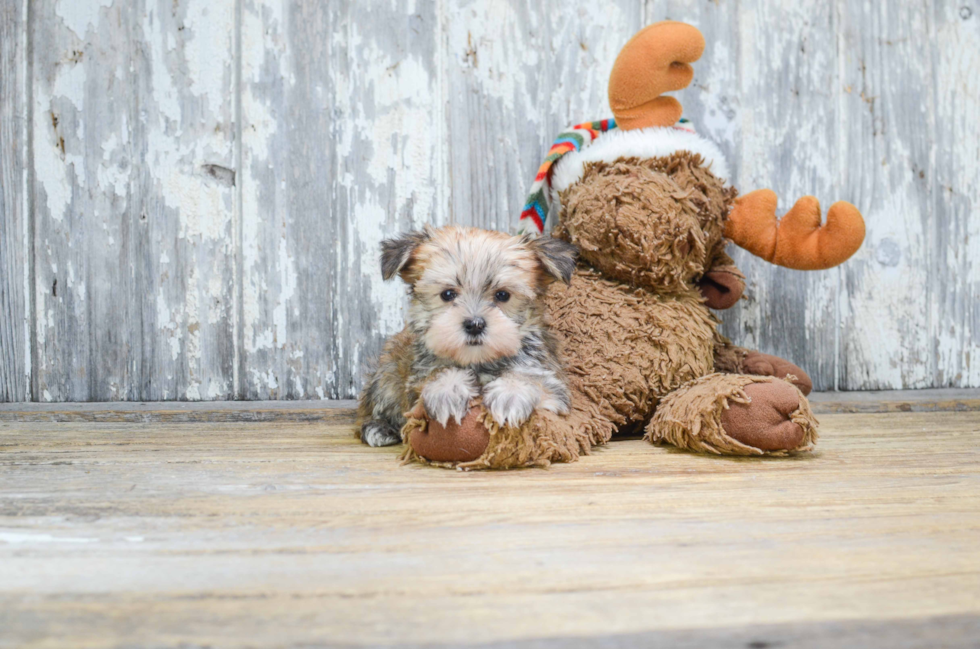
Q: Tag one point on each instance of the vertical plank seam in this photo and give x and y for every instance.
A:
(933, 237)
(446, 144)
(139, 190)
(344, 385)
(30, 227)
(238, 344)
(838, 322)
(444, 183)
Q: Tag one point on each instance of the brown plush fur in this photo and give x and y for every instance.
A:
(654, 223)
(625, 347)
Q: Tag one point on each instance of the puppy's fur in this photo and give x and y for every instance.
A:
(475, 327)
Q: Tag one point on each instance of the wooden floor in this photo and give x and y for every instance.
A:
(277, 533)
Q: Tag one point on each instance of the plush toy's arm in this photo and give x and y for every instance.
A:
(732, 359)
(729, 357)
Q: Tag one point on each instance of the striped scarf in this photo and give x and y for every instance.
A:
(536, 207)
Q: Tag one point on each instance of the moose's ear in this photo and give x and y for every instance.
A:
(558, 257)
(398, 254)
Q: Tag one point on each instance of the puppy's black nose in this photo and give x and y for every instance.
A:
(474, 326)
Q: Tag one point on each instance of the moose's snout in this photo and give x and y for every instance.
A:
(474, 326)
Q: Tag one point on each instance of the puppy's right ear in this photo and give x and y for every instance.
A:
(398, 254)
(557, 257)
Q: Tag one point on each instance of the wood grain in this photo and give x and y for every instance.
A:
(343, 411)
(283, 534)
(209, 181)
(15, 323)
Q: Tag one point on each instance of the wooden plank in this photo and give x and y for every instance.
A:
(184, 265)
(933, 400)
(15, 324)
(285, 534)
(337, 412)
(85, 165)
(344, 122)
(291, 218)
(133, 143)
(955, 191)
(888, 319)
(518, 73)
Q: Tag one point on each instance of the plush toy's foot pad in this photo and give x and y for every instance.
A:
(765, 422)
(761, 364)
(454, 442)
(735, 414)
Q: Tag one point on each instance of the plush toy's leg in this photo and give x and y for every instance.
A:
(480, 443)
(733, 414)
(733, 359)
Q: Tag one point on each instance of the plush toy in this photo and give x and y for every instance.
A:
(647, 202)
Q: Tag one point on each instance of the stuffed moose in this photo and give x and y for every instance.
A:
(650, 209)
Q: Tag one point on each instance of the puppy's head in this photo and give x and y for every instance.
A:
(475, 293)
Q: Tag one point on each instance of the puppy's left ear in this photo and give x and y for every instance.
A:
(398, 254)
(558, 257)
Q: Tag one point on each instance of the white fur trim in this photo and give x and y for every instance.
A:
(654, 142)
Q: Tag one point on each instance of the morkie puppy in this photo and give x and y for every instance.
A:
(475, 327)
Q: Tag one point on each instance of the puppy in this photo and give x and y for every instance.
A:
(475, 327)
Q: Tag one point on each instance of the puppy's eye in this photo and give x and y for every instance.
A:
(448, 295)
(501, 296)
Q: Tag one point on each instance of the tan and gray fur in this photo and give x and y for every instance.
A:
(476, 327)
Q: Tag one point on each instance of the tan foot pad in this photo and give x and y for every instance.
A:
(765, 421)
(455, 442)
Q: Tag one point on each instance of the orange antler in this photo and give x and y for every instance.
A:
(653, 62)
(797, 240)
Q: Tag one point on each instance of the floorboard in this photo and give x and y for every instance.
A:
(291, 533)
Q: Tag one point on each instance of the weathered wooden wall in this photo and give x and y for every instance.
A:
(193, 190)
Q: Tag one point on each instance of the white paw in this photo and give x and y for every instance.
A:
(510, 400)
(376, 433)
(449, 395)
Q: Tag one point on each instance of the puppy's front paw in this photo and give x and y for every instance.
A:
(511, 400)
(378, 433)
(449, 395)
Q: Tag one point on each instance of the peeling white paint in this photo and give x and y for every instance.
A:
(168, 328)
(209, 51)
(51, 165)
(77, 15)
